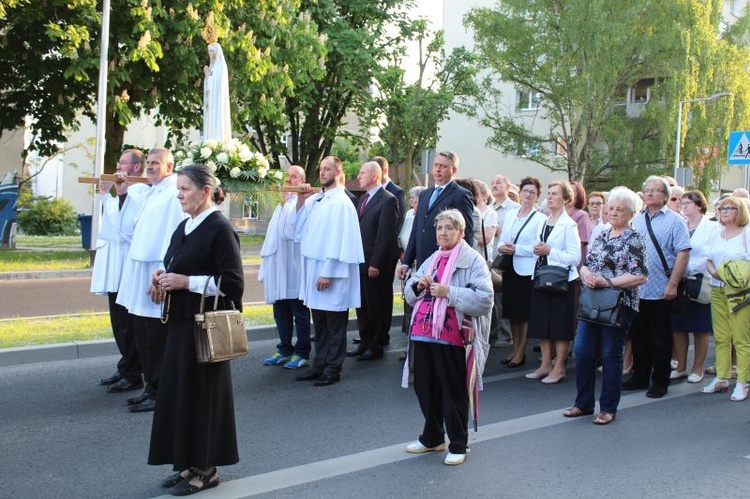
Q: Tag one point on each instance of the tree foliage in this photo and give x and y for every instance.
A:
(408, 113)
(296, 67)
(581, 57)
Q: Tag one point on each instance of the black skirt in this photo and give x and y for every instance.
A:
(552, 316)
(194, 419)
(516, 295)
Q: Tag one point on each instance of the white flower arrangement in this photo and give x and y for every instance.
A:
(234, 163)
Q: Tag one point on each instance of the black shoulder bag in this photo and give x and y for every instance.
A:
(505, 262)
(550, 279)
(681, 303)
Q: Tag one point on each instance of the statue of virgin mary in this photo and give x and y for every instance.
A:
(217, 122)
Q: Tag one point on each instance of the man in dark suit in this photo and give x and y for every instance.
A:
(444, 195)
(397, 191)
(378, 215)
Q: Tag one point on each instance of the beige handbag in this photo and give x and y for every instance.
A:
(220, 334)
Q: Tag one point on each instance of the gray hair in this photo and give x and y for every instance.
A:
(451, 156)
(163, 151)
(625, 196)
(660, 180)
(453, 216)
(414, 192)
(202, 176)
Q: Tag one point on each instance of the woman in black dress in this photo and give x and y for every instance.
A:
(552, 316)
(194, 427)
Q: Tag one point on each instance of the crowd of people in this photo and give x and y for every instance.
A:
(327, 251)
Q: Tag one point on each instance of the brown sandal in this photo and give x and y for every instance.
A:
(604, 418)
(574, 412)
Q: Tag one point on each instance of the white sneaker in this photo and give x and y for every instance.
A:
(454, 459)
(418, 448)
(740, 392)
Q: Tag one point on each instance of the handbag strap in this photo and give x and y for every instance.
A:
(216, 298)
(533, 212)
(484, 238)
(667, 270)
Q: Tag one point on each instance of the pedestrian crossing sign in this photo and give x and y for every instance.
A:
(739, 148)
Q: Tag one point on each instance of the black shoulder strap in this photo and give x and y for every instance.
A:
(667, 270)
(533, 212)
(484, 238)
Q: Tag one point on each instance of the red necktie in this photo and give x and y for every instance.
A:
(364, 202)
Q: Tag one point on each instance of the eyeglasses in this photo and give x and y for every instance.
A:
(652, 191)
(595, 203)
(726, 209)
(673, 199)
(530, 192)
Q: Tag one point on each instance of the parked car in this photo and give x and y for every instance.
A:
(8, 215)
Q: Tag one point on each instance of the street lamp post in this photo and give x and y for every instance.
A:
(679, 125)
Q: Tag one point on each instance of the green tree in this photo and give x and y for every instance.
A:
(580, 57)
(408, 114)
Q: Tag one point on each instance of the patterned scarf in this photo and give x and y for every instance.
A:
(440, 304)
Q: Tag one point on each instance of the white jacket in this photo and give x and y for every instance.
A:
(565, 245)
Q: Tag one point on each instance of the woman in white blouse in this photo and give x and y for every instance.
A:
(697, 319)
(552, 316)
(521, 229)
(730, 243)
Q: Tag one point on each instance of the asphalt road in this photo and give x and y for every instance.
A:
(63, 436)
(69, 295)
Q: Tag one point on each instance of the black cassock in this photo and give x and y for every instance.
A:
(194, 420)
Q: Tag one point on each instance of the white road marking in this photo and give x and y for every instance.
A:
(329, 468)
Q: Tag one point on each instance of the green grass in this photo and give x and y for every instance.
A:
(20, 260)
(95, 326)
(42, 242)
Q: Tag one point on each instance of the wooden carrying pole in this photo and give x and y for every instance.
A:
(143, 180)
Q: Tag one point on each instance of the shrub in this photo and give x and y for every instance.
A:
(49, 217)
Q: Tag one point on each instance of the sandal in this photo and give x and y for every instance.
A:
(574, 412)
(186, 488)
(173, 480)
(604, 418)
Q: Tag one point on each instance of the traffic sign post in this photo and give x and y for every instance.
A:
(738, 152)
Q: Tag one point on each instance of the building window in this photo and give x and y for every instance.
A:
(250, 208)
(527, 100)
(736, 8)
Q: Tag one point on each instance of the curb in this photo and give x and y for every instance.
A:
(98, 348)
(57, 274)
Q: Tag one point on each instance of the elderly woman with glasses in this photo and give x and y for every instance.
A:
(452, 296)
(730, 243)
(617, 259)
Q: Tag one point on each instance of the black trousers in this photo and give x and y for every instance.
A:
(651, 334)
(129, 365)
(151, 341)
(440, 385)
(330, 340)
(375, 314)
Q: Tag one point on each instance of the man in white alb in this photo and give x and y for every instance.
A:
(326, 225)
(280, 274)
(159, 215)
(112, 246)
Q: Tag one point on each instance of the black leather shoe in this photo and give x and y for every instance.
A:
(111, 380)
(634, 384)
(147, 405)
(356, 352)
(125, 385)
(309, 376)
(327, 379)
(137, 400)
(656, 392)
(371, 355)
